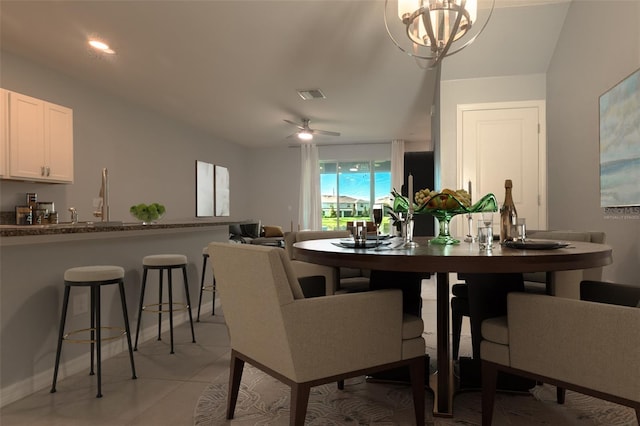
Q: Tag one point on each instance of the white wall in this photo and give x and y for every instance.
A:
(586, 63)
(150, 158)
(471, 91)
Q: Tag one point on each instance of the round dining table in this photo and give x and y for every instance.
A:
(443, 260)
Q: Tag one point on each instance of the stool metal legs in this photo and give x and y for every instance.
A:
(140, 306)
(186, 290)
(63, 317)
(127, 328)
(203, 287)
(160, 304)
(95, 331)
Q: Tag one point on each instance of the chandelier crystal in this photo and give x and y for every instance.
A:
(436, 25)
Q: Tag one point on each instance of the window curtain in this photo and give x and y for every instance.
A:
(310, 202)
(397, 164)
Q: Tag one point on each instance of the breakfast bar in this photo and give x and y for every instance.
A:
(34, 259)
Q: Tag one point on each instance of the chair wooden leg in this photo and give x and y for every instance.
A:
(299, 400)
(416, 372)
(489, 381)
(560, 394)
(235, 375)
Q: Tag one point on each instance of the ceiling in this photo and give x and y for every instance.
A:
(232, 68)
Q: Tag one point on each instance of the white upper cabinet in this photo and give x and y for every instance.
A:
(40, 140)
(4, 132)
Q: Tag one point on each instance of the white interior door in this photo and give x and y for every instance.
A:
(505, 141)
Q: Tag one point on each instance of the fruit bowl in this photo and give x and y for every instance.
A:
(148, 214)
(488, 203)
(444, 206)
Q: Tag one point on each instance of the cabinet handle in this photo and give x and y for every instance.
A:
(48, 171)
(42, 171)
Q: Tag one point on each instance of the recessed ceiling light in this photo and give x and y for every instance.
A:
(101, 46)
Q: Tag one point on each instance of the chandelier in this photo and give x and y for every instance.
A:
(434, 26)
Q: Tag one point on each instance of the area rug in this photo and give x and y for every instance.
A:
(265, 401)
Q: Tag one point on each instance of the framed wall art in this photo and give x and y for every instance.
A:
(222, 191)
(620, 143)
(204, 189)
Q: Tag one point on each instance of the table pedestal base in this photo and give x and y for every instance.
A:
(442, 402)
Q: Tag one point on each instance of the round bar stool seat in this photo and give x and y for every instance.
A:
(203, 287)
(87, 274)
(94, 277)
(164, 262)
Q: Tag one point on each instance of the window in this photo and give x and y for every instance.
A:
(347, 188)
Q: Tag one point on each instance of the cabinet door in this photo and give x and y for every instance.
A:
(4, 131)
(26, 137)
(58, 134)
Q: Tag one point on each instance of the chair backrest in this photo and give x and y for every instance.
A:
(291, 238)
(254, 282)
(584, 236)
(612, 293)
(561, 235)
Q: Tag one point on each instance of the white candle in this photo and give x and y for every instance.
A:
(410, 193)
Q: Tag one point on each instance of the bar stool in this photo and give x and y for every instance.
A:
(211, 288)
(164, 262)
(94, 277)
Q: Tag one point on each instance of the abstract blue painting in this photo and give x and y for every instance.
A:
(620, 144)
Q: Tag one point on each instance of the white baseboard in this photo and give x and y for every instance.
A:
(42, 380)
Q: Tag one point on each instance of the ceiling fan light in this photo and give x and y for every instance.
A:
(304, 135)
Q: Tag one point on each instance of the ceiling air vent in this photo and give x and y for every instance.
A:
(311, 94)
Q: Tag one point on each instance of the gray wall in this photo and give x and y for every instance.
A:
(150, 158)
(599, 45)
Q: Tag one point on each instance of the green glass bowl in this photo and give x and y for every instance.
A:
(488, 203)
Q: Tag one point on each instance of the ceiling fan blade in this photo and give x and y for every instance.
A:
(298, 125)
(325, 132)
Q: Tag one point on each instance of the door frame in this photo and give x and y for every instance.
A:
(542, 147)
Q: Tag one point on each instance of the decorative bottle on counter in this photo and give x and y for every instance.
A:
(508, 215)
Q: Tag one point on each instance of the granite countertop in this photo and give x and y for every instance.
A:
(90, 227)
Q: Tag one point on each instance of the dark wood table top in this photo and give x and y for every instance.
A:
(462, 258)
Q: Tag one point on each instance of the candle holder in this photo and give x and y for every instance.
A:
(470, 238)
(407, 231)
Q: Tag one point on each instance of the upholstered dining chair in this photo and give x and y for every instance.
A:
(589, 347)
(306, 342)
(566, 284)
(338, 280)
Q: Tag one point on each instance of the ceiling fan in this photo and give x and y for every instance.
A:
(306, 133)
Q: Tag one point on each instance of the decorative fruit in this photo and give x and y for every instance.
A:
(147, 213)
(442, 200)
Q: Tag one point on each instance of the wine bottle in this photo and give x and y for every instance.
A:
(508, 215)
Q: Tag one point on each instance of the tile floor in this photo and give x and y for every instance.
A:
(167, 388)
(165, 392)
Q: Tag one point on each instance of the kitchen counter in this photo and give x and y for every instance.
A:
(34, 260)
(35, 234)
